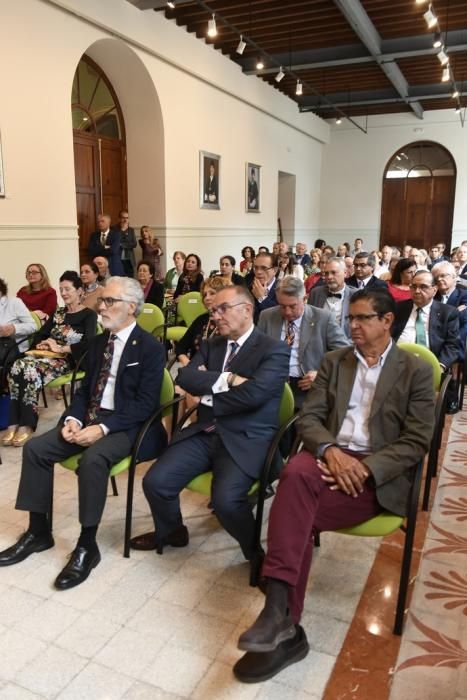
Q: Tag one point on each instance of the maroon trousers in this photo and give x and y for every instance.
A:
(304, 503)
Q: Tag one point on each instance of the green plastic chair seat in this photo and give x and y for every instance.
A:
(425, 354)
(150, 318)
(190, 306)
(175, 333)
(64, 379)
(379, 526)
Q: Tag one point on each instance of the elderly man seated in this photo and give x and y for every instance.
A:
(119, 393)
(366, 421)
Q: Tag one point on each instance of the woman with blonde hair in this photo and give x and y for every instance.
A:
(38, 294)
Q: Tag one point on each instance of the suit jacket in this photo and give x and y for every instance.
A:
(318, 296)
(303, 259)
(137, 388)
(246, 416)
(111, 250)
(463, 272)
(401, 420)
(373, 283)
(319, 333)
(443, 329)
(127, 244)
(211, 188)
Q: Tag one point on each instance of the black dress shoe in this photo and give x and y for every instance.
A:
(82, 561)
(26, 545)
(270, 629)
(149, 540)
(452, 408)
(255, 668)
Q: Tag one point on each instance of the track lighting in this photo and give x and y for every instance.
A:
(241, 45)
(446, 75)
(338, 120)
(280, 75)
(443, 58)
(437, 43)
(299, 88)
(212, 28)
(455, 93)
(458, 108)
(259, 64)
(430, 17)
(171, 5)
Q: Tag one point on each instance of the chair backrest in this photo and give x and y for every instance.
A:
(167, 392)
(287, 405)
(36, 320)
(150, 318)
(427, 356)
(190, 306)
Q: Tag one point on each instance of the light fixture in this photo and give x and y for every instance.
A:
(259, 64)
(430, 17)
(241, 45)
(338, 120)
(443, 58)
(280, 75)
(171, 5)
(437, 43)
(299, 88)
(212, 28)
(420, 2)
(458, 108)
(455, 93)
(446, 75)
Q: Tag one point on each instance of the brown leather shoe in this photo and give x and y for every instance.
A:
(145, 542)
(149, 540)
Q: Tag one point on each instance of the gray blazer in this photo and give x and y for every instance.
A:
(318, 296)
(319, 333)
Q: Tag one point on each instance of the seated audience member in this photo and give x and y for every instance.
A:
(329, 251)
(349, 269)
(308, 331)
(101, 423)
(320, 243)
(286, 265)
(445, 277)
(103, 267)
(313, 270)
(151, 249)
(436, 255)
(406, 251)
(284, 248)
(263, 283)
(16, 324)
(430, 323)
(153, 291)
(343, 249)
(335, 294)
(386, 255)
(419, 256)
(386, 276)
(239, 376)
(301, 256)
(37, 294)
(89, 274)
(173, 275)
(462, 259)
(191, 277)
(227, 271)
(357, 459)
(248, 255)
(364, 266)
(127, 243)
(275, 248)
(64, 337)
(263, 249)
(105, 243)
(358, 246)
(399, 284)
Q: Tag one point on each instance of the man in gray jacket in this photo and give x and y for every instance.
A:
(335, 294)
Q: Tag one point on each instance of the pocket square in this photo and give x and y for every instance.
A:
(132, 364)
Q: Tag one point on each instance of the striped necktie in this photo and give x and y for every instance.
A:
(290, 333)
(233, 351)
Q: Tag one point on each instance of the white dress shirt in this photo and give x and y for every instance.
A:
(335, 305)
(295, 368)
(408, 335)
(220, 384)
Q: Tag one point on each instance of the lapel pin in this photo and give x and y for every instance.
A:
(135, 342)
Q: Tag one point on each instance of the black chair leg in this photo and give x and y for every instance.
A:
(129, 510)
(51, 506)
(114, 486)
(65, 398)
(44, 398)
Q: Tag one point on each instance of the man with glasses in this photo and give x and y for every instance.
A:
(430, 323)
(263, 285)
(127, 243)
(120, 391)
(335, 294)
(366, 421)
(364, 266)
(239, 376)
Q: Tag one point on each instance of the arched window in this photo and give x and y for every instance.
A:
(421, 159)
(94, 105)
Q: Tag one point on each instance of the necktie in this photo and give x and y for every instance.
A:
(103, 238)
(96, 398)
(233, 351)
(361, 284)
(337, 295)
(290, 333)
(420, 334)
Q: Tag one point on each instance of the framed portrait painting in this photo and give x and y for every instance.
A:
(253, 187)
(209, 178)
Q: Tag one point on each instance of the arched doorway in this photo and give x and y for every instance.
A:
(99, 149)
(418, 196)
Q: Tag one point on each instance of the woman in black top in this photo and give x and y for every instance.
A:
(191, 277)
(153, 291)
(228, 274)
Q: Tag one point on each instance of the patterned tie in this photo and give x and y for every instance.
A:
(290, 334)
(233, 351)
(103, 238)
(96, 398)
(420, 334)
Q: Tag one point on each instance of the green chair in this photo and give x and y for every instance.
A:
(151, 318)
(167, 405)
(189, 307)
(36, 320)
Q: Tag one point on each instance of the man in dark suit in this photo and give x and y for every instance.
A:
(239, 376)
(462, 258)
(211, 190)
(263, 283)
(445, 277)
(436, 255)
(120, 391)
(366, 422)
(334, 294)
(301, 256)
(309, 332)
(431, 323)
(106, 242)
(364, 266)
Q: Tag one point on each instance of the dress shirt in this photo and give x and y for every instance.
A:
(295, 368)
(381, 269)
(335, 305)
(14, 311)
(355, 433)
(362, 283)
(104, 235)
(408, 335)
(220, 384)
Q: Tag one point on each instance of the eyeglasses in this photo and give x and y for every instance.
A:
(108, 301)
(421, 287)
(261, 268)
(223, 308)
(33, 272)
(360, 318)
(357, 265)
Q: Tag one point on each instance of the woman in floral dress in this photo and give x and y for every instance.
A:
(65, 336)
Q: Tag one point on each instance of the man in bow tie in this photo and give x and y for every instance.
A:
(335, 294)
(120, 391)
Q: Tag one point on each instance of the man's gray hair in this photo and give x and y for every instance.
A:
(446, 266)
(338, 260)
(291, 286)
(131, 291)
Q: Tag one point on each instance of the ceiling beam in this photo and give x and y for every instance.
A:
(436, 91)
(149, 4)
(364, 28)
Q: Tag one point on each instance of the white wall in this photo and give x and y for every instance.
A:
(354, 163)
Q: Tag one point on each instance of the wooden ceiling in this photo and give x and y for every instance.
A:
(359, 57)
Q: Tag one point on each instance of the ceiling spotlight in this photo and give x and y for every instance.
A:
(259, 64)
(430, 17)
(443, 58)
(458, 109)
(437, 43)
(338, 120)
(455, 94)
(299, 88)
(212, 28)
(420, 2)
(171, 5)
(446, 75)
(280, 75)
(241, 45)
